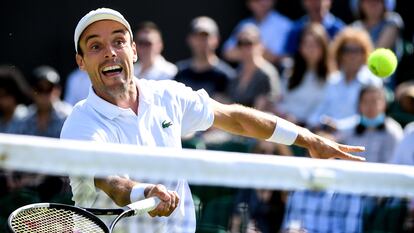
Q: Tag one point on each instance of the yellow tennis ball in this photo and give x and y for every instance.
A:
(382, 62)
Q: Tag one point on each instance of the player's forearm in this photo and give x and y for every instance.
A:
(243, 121)
(117, 188)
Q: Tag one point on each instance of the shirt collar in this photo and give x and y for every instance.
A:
(112, 111)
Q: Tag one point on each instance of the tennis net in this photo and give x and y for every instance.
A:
(298, 189)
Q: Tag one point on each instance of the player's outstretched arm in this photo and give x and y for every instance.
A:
(123, 191)
(249, 122)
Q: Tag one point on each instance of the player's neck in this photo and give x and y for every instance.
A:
(129, 99)
(125, 99)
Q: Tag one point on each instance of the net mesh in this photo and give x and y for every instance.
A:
(231, 191)
(42, 220)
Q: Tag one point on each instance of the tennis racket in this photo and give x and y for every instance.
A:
(57, 218)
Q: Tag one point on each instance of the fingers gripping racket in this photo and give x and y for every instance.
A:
(51, 218)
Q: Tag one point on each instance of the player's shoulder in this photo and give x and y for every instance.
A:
(161, 89)
(82, 123)
(81, 113)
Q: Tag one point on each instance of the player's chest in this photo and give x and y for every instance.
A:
(156, 126)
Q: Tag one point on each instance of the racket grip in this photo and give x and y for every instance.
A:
(144, 206)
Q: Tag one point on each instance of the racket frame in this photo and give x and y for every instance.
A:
(132, 209)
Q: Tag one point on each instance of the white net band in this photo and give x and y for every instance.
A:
(63, 157)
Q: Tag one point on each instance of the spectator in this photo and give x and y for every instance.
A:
(274, 28)
(77, 87)
(204, 69)
(258, 83)
(319, 211)
(380, 135)
(45, 117)
(377, 132)
(47, 114)
(404, 155)
(308, 77)
(350, 50)
(384, 26)
(151, 64)
(402, 109)
(14, 94)
(382, 23)
(317, 11)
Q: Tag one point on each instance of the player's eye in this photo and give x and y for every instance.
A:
(119, 42)
(94, 47)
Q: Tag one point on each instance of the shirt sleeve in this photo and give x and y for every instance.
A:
(83, 188)
(196, 109)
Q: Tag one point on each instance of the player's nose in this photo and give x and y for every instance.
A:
(110, 51)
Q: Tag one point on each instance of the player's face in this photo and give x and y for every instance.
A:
(108, 57)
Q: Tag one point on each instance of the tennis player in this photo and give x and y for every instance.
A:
(123, 109)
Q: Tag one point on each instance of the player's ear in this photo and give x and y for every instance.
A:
(80, 62)
(134, 49)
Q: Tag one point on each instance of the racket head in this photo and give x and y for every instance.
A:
(53, 217)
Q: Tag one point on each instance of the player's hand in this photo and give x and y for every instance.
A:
(169, 200)
(324, 148)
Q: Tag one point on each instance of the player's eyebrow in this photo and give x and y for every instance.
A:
(123, 31)
(90, 37)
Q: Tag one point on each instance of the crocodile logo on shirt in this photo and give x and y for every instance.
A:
(166, 124)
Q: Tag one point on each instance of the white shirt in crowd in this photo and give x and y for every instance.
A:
(404, 153)
(95, 119)
(274, 30)
(303, 99)
(77, 87)
(340, 101)
(160, 70)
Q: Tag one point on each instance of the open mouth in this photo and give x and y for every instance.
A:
(112, 70)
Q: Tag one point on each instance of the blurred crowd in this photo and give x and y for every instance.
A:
(311, 71)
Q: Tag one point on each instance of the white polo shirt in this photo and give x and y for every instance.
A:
(160, 102)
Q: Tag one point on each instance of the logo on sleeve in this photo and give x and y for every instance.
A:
(166, 124)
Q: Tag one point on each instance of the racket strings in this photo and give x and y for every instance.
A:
(42, 220)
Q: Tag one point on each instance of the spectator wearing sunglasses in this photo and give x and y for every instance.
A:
(338, 108)
(257, 84)
(48, 112)
(274, 28)
(151, 64)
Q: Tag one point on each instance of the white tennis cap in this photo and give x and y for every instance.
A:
(97, 15)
